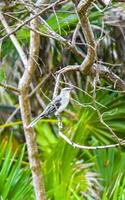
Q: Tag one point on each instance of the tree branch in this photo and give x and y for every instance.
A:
(109, 76)
(9, 87)
(85, 67)
(26, 113)
(79, 146)
(82, 10)
(25, 105)
(29, 19)
(88, 67)
(14, 40)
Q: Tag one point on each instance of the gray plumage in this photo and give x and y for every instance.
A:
(56, 106)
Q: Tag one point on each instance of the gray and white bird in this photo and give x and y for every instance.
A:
(56, 106)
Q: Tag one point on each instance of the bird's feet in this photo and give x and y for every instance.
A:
(60, 125)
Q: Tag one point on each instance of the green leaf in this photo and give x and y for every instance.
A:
(2, 75)
(62, 21)
(15, 180)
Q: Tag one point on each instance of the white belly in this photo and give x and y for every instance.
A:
(64, 104)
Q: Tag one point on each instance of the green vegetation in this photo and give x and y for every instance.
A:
(69, 173)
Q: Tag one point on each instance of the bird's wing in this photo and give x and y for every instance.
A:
(53, 106)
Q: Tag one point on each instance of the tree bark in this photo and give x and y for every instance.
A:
(24, 103)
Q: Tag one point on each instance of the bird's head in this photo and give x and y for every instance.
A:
(66, 90)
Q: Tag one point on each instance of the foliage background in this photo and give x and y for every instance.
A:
(68, 173)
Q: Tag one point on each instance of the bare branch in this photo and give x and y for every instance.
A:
(24, 84)
(30, 95)
(75, 145)
(85, 67)
(29, 19)
(75, 34)
(82, 10)
(10, 118)
(79, 146)
(9, 87)
(56, 86)
(109, 76)
(39, 84)
(99, 114)
(103, 71)
(52, 33)
(14, 40)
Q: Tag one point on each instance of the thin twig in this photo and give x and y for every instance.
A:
(58, 37)
(39, 84)
(75, 145)
(98, 112)
(29, 19)
(82, 10)
(30, 95)
(109, 76)
(83, 105)
(10, 118)
(75, 34)
(14, 40)
(9, 87)
(56, 86)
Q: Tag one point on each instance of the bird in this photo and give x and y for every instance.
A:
(56, 106)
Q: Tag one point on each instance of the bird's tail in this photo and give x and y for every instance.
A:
(36, 120)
